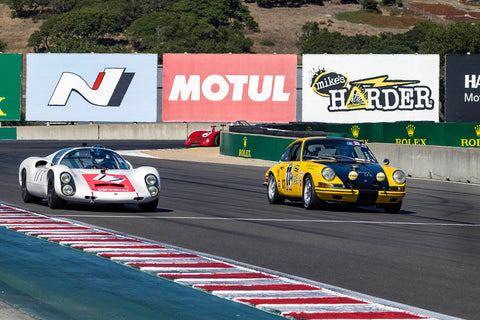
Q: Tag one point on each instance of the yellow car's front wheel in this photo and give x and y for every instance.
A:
(393, 207)
(309, 197)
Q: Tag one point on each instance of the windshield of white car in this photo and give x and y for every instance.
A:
(337, 149)
(93, 158)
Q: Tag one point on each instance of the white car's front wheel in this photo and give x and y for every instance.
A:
(54, 201)
(148, 206)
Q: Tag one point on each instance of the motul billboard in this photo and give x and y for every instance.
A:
(229, 87)
(92, 87)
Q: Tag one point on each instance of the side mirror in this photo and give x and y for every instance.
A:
(386, 161)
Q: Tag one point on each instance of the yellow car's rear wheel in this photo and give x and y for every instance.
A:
(273, 195)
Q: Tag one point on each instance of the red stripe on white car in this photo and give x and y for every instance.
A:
(280, 294)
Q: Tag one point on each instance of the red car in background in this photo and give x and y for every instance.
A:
(211, 138)
(204, 138)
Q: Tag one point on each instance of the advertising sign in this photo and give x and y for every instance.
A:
(462, 88)
(465, 134)
(229, 87)
(10, 86)
(92, 87)
(370, 88)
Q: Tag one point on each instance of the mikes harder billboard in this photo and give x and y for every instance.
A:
(370, 88)
(91, 87)
(229, 87)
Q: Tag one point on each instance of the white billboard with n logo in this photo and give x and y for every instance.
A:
(91, 87)
(370, 88)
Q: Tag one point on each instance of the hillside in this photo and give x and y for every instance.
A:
(280, 26)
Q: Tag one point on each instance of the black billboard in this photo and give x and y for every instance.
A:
(462, 88)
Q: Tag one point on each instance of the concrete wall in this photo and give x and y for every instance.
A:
(128, 131)
(432, 162)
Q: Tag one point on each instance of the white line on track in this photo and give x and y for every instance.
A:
(440, 224)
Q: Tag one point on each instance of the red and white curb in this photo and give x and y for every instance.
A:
(278, 294)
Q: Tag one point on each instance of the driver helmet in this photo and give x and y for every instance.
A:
(98, 155)
(345, 150)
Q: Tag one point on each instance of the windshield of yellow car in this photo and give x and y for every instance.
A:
(338, 150)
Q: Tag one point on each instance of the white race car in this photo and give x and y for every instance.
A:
(88, 174)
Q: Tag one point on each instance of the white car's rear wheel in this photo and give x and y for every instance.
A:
(26, 196)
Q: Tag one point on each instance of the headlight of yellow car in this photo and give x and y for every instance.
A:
(352, 175)
(328, 173)
(380, 177)
(399, 176)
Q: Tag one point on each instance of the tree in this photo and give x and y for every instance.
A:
(370, 5)
(455, 38)
(314, 40)
(219, 12)
(86, 26)
(3, 46)
(177, 33)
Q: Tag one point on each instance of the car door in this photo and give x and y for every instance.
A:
(289, 171)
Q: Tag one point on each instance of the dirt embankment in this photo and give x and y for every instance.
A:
(281, 26)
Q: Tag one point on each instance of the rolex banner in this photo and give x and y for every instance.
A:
(10, 86)
(370, 88)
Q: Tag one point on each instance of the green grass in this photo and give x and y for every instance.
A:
(394, 20)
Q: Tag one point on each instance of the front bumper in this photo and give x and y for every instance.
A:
(110, 197)
(367, 197)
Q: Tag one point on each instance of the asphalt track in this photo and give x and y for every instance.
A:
(427, 256)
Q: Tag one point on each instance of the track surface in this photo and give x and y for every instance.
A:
(427, 256)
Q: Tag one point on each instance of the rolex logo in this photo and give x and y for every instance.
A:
(410, 130)
(355, 131)
(244, 142)
(477, 130)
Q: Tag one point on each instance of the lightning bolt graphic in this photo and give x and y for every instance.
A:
(381, 81)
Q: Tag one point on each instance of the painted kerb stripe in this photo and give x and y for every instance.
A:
(275, 293)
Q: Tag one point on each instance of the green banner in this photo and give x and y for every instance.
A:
(253, 146)
(8, 133)
(417, 133)
(466, 135)
(10, 86)
(368, 132)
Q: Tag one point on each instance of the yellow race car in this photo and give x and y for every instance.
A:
(319, 170)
